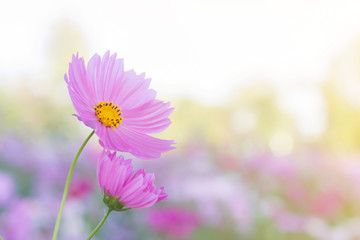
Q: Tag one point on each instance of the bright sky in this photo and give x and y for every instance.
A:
(197, 49)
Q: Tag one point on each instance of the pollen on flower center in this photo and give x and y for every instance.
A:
(109, 114)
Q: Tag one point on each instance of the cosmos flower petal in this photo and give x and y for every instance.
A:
(119, 170)
(92, 77)
(110, 141)
(147, 200)
(77, 80)
(104, 75)
(146, 146)
(134, 187)
(134, 90)
(92, 123)
(152, 117)
(117, 74)
(162, 196)
(81, 106)
(138, 144)
(116, 176)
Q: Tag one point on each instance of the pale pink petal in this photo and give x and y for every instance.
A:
(138, 144)
(77, 81)
(152, 117)
(118, 171)
(134, 90)
(92, 73)
(79, 90)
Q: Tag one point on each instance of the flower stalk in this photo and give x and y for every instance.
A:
(67, 184)
(100, 224)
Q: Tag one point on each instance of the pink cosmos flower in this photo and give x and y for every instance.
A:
(122, 188)
(118, 105)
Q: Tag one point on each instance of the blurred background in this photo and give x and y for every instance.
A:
(266, 120)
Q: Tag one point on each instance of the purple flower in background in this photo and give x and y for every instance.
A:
(122, 188)
(17, 223)
(7, 188)
(13, 150)
(173, 222)
(119, 106)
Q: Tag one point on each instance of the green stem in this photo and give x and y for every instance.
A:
(67, 184)
(100, 224)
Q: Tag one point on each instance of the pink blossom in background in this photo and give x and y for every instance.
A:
(240, 208)
(193, 178)
(287, 221)
(173, 222)
(298, 194)
(326, 204)
(269, 165)
(351, 172)
(117, 179)
(80, 188)
(119, 106)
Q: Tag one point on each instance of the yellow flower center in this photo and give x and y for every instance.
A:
(109, 114)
